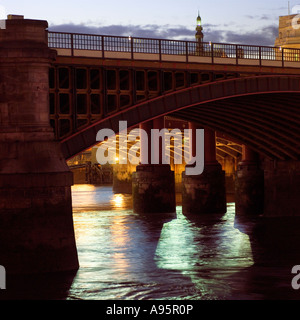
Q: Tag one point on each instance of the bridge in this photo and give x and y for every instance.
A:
(97, 80)
(82, 83)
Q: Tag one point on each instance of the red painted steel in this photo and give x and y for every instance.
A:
(195, 103)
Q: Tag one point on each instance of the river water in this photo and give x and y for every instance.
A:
(126, 256)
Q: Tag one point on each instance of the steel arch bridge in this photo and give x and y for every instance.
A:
(248, 94)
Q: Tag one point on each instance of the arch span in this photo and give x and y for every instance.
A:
(261, 111)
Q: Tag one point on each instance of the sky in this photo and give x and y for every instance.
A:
(231, 21)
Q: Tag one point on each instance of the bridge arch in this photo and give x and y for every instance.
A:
(259, 111)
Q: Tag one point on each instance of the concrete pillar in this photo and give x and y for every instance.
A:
(36, 225)
(153, 185)
(249, 185)
(205, 193)
(282, 185)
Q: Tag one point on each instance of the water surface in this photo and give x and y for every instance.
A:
(126, 256)
(129, 256)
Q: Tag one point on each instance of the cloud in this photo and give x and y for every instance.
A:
(266, 17)
(212, 33)
(260, 17)
(265, 37)
(146, 31)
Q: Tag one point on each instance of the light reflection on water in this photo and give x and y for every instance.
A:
(89, 197)
(127, 256)
(124, 255)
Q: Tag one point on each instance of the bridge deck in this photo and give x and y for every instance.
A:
(161, 50)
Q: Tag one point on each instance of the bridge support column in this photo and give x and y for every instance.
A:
(282, 185)
(249, 185)
(36, 225)
(205, 193)
(153, 185)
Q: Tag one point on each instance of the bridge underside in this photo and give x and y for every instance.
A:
(269, 124)
(260, 112)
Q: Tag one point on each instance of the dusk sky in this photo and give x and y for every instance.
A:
(233, 21)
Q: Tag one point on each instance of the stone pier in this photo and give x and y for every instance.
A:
(36, 225)
(205, 193)
(249, 185)
(282, 185)
(153, 185)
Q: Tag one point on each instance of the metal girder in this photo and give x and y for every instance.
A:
(220, 124)
(197, 104)
(249, 121)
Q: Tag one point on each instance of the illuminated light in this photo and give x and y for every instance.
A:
(84, 187)
(118, 201)
(83, 194)
(199, 22)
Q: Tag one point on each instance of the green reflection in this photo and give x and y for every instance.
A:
(203, 245)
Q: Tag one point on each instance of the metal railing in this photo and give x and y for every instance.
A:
(162, 47)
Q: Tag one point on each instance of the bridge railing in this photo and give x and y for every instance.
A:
(76, 44)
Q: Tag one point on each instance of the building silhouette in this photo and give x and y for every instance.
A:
(288, 39)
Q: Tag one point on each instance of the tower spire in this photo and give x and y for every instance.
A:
(199, 34)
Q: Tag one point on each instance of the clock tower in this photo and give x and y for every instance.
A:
(199, 34)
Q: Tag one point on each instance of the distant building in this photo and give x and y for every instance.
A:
(288, 37)
(288, 32)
